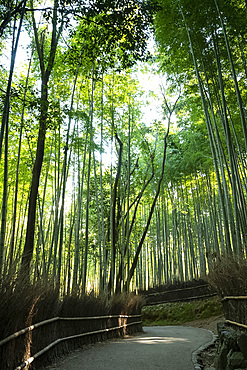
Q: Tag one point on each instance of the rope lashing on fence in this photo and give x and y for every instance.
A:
(31, 359)
(49, 321)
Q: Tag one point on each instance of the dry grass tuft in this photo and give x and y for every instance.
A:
(126, 304)
(23, 304)
(229, 277)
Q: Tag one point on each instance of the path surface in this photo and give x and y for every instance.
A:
(159, 347)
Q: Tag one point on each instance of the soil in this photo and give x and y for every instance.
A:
(207, 356)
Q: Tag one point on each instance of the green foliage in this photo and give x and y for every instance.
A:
(110, 34)
(179, 313)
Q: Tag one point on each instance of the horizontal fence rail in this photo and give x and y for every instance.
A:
(49, 321)
(180, 289)
(31, 359)
(183, 299)
(179, 295)
(235, 308)
(24, 331)
(236, 324)
(236, 298)
(121, 319)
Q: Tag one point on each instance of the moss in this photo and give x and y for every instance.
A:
(178, 313)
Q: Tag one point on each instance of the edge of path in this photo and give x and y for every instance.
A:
(195, 354)
(209, 324)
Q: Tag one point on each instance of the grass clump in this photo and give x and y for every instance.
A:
(181, 312)
(229, 276)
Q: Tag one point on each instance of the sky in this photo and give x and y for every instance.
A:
(150, 83)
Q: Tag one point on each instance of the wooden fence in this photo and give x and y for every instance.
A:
(235, 308)
(180, 295)
(23, 347)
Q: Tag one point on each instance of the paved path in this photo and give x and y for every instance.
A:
(161, 347)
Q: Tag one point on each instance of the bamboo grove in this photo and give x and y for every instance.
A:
(94, 196)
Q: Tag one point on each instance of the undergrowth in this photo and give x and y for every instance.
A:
(181, 312)
(23, 304)
(229, 276)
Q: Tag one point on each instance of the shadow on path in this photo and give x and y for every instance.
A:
(158, 347)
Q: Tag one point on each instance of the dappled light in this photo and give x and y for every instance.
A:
(160, 340)
(159, 347)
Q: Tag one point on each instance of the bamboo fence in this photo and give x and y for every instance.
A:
(235, 308)
(62, 330)
(180, 295)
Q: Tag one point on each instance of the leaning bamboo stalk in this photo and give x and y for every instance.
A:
(31, 359)
(45, 322)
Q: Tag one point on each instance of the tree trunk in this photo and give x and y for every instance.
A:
(4, 127)
(45, 76)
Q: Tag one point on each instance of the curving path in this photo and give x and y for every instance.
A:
(159, 347)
